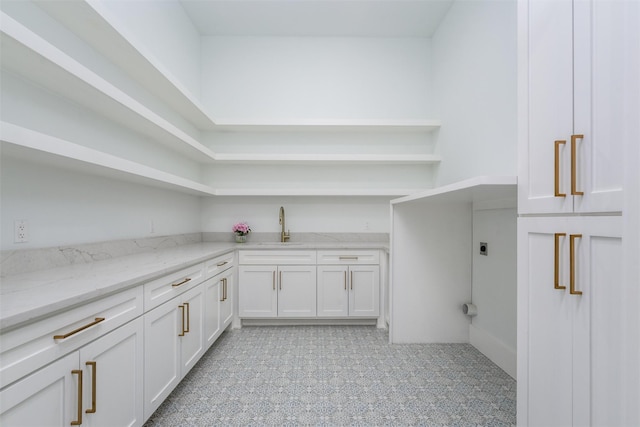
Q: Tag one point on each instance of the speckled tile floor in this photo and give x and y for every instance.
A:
(338, 375)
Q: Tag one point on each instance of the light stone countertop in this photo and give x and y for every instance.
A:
(28, 297)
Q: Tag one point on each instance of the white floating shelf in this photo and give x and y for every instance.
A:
(329, 158)
(37, 146)
(475, 190)
(381, 192)
(32, 57)
(93, 23)
(261, 125)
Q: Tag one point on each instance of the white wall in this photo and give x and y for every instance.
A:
(163, 29)
(494, 286)
(303, 214)
(474, 57)
(63, 207)
(309, 77)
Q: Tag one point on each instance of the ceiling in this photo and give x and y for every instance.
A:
(317, 18)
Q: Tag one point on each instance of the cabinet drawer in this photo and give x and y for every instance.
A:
(349, 257)
(277, 257)
(165, 288)
(26, 349)
(218, 265)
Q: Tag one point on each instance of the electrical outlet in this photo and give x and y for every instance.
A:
(484, 248)
(21, 231)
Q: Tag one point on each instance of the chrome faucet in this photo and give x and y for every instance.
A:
(284, 235)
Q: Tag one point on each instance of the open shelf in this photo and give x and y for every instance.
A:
(329, 158)
(35, 146)
(373, 192)
(92, 23)
(32, 57)
(315, 125)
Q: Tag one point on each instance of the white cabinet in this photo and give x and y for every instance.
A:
(99, 385)
(174, 341)
(350, 290)
(277, 283)
(574, 91)
(218, 296)
(578, 99)
(572, 343)
(277, 291)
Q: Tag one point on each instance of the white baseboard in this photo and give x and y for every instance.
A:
(498, 352)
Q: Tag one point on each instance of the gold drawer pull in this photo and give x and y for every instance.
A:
(222, 263)
(574, 167)
(82, 328)
(78, 372)
(556, 175)
(345, 258)
(181, 307)
(556, 261)
(181, 283)
(93, 387)
(572, 264)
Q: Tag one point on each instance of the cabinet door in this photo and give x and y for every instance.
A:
(192, 340)
(573, 347)
(113, 367)
(212, 298)
(333, 291)
(603, 81)
(544, 325)
(364, 291)
(297, 291)
(162, 327)
(226, 305)
(545, 94)
(48, 397)
(257, 293)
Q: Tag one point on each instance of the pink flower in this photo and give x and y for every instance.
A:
(241, 228)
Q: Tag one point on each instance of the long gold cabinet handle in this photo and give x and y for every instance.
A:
(574, 167)
(226, 290)
(186, 304)
(94, 376)
(81, 328)
(556, 261)
(274, 280)
(346, 258)
(345, 280)
(78, 421)
(351, 280)
(556, 169)
(188, 279)
(280, 280)
(222, 290)
(181, 307)
(572, 264)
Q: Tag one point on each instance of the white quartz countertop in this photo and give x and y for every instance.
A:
(30, 296)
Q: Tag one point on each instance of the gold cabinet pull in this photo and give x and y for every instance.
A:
(181, 283)
(78, 421)
(274, 280)
(345, 280)
(572, 264)
(81, 328)
(556, 174)
(280, 280)
(222, 290)
(224, 282)
(186, 305)
(222, 263)
(92, 410)
(345, 258)
(181, 307)
(556, 261)
(351, 280)
(574, 184)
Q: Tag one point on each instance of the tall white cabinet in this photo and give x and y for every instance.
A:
(578, 213)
